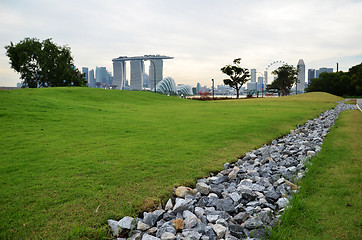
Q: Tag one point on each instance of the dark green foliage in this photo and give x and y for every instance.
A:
(43, 64)
(238, 75)
(287, 76)
(339, 83)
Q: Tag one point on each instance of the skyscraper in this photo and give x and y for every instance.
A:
(119, 77)
(91, 79)
(301, 76)
(260, 83)
(137, 70)
(324, 69)
(265, 78)
(101, 75)
(253, 75)
(311, 75)
(158, 64)
(85, 71)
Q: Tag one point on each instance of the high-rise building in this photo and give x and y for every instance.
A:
(324, 69)
(198, 87)
(91, 79)
(101, 75)
(260, 83)
(265, 78)
(253, 75)
(301, 76)
(311, 75)
(156, 64)
(119, 78)
(85, 72)
(137, 70)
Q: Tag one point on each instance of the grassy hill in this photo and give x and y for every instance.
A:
(71, 158)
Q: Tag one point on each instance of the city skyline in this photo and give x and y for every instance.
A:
(202, 36)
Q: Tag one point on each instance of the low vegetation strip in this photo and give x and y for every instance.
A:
(328, 205)
(74, 157)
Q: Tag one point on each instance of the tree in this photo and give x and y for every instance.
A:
(43, 64)
(287, 76)
(339, 83)
(238, 75)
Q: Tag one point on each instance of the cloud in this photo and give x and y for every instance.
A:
(202, 35)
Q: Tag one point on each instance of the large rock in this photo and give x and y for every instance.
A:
(126, 223)
(203, 188)
(180, 205)
(253, 223)
(183, 191)
(168, 236)
(114, 226)
(149, 237)
(220, 230)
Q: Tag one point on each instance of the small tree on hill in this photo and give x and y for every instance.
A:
(287, 76)
(238, 75)
(43, 64)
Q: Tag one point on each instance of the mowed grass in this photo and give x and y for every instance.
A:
(71, 158)
(328, 205)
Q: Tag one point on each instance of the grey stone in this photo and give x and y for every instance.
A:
(136, 235)
(282, 202)
(150, 218)
(169, 204)
(168, 236)
(191, 234)
(126, 223)
(253, 223)
(212, 218)
(241, 217)
(236, 231)
(220, 230)
(142, 226)
(114, 226)
(225, 205)
(180, 205)
(149, 237)
(271, 196)
(235, 196)
(191, 221)
(203, 188)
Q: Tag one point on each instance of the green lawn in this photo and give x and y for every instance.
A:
(328, 205)
(71, 158)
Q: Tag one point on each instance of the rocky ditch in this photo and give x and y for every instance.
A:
(245, 200)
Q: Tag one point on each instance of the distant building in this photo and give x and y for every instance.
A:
(101, 75)
(85, 72)
(137, 70)
(260, 83)
(301, 76)
(91, 79)
(253, 75)
(265, 78)
(198, 87)
(146, 81)
(251, 86)
(324, 69)
(311, 75)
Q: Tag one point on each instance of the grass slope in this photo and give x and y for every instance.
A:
(71, 158)
(329, 206)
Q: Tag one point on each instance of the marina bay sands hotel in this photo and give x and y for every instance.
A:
(137, 70)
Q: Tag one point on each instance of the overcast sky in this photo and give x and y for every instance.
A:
(201, 35)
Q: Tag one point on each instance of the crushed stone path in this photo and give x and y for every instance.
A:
(241, 202)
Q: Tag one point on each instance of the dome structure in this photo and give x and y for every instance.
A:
(166, 86)
(185, 90)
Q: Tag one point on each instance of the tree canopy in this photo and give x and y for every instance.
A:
(339, 83)
(238, 75)
(287, 76)
(43, 64)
